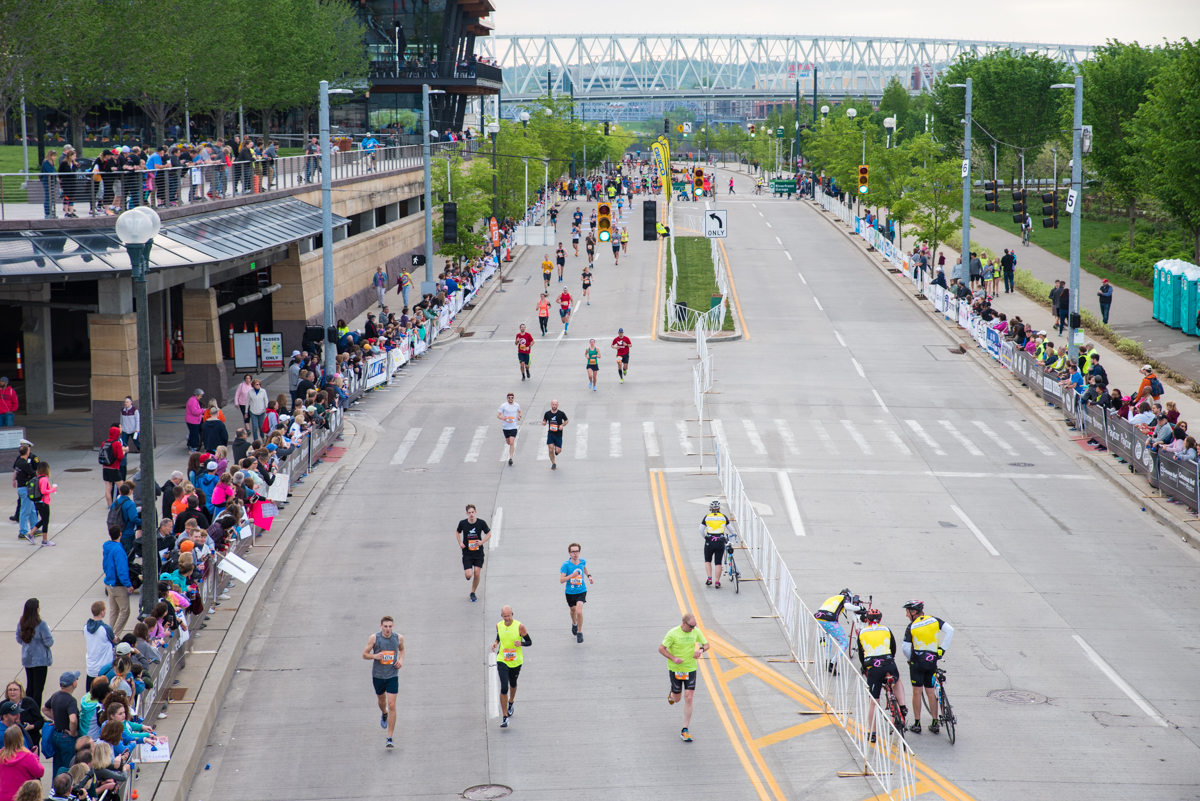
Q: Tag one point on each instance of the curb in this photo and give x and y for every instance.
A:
(1045, 422)
(193, 739)
(722, 336)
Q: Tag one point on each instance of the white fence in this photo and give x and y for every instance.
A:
(843, 690)
(678, 318)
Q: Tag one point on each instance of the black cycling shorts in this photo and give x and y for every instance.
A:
(921, 670)
(471, 558)
(576, 598)
(678, 685)
(877, 672)
(714, 551)
(508, 675)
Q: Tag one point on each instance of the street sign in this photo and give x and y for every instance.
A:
(1071, 202)
(779, 132)
(781, 186)
(494, 229)
(966, 170)
(715, 224)
(687, 127)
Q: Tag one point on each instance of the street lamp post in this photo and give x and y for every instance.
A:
(966, 176)
(136, 229)
(1075, 206)
(427, 285)
(545, 195)
(494, 132)
(890, 124)
(525, 123)
(329, 349)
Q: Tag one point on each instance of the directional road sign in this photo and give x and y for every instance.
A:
(716, 224)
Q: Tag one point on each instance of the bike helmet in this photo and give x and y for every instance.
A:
(846, 594)
(714, 506)
(872, 616)
(916, 606)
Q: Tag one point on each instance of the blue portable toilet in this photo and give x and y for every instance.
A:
(1189, 305)
(1176, 284)
(1162, 289)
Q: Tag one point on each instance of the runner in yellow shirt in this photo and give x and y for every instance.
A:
(682, 646)
(511, 639)
(547, 270)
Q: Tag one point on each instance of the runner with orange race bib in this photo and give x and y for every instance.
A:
(543, 310)
(524, 344)
(564, 309)
(385, 651)
(622, 345)
(555, 420)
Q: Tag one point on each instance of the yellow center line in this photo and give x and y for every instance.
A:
(733, 288)
(730, 675)
(686, 584)
(737, 745)
(793, 731)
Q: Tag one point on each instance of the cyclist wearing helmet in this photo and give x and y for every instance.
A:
(828, 615)
(877, 652)
(925, 640)
(713, 527)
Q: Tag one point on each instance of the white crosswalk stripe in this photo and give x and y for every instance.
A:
(966, 443)
(614, 440)
(994, 437)
(823, 435)
(894, 438)
(539, 442)
(1042, 447)
(581, 440)
(405, 446)
(476, 444)
(443, 442)
(857, 436)
(755, 440)
(923, 435)
(785, 434)
(650, 438)
(684, 443)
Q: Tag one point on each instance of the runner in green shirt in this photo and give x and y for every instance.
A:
(593, 364)
(682, 646)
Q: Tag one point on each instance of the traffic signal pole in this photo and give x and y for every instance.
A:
(1077, 211)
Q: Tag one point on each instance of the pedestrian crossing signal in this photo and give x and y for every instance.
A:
(604, 222)
(863, 179)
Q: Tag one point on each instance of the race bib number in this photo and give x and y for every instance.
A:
(554, 426)
(389, 657)
(576, 581)
(473, 545)
(682, 676)
(509, 654)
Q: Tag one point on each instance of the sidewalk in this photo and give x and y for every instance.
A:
(1131, 314)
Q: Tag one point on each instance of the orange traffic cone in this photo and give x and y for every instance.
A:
(257, 343)
(231, 340)
(178, 352)
(167, 350)
(20, 367)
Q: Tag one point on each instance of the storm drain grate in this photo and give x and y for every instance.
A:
(78, 470)
(1017, 697)
(1020, 464)
(487, 792)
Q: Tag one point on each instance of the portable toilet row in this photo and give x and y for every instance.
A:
(1171, 287)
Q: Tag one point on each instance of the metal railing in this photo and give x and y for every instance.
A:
(434, 70)
(36, 195)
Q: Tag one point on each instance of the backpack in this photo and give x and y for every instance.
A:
(116, 514)
(108, 455)
(1156, 387)
(34, 487)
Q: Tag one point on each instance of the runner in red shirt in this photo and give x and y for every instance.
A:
(622, 344)
(564, 310)
(524, 343)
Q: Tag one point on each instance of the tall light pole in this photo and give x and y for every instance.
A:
(1075, 206)
(545, 195)
(329, 349)
(427, 285)
(136, 229)
(966, 176)
(890, 124)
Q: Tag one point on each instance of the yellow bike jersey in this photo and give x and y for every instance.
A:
(510, 644)
(923, 633)
(876, 642)
(714, 525)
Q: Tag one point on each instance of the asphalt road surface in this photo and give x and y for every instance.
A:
(880, 462)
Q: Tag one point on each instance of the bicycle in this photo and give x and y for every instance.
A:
(945, 711)
(1025, 236)
(731, 568)
(759, 189)
(892, 705)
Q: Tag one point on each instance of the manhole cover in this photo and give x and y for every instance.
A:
(487, 792)
(1017, 697)
(78, 470)
(1020, 464)
(415, 470)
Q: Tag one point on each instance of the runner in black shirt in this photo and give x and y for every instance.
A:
(471, 534)
(556, 421)
(560, 256)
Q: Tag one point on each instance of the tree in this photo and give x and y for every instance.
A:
(24, 40)
(1011, 101)
(935, 191)
(1165, 129)
(330, 49)
(158, 62)
(74, 73)
(1115, 82)
(471, 189)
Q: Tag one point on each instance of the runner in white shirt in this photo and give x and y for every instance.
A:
(510, 416)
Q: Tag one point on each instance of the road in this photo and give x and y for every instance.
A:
(881, 462)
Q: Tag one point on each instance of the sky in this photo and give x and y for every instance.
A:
(1083, 22)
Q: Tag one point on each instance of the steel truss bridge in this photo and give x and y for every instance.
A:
(614, 68)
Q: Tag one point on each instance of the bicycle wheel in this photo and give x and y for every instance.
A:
(897, 715)
(947, 712)
(734, 573)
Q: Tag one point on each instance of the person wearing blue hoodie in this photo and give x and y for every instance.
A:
(98, 637)
(117, 585)
(131, 518)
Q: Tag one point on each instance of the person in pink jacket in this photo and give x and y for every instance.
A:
(9, 403)
(45, 489)
(241, 397)
(193, 415)
(17, 763)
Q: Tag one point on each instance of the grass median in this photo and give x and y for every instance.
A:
(697, 282)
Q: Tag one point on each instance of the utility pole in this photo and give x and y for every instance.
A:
(966, 176)
(1075, 207)
(329, 348)
(428, 187)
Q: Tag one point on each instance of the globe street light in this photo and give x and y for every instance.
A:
(136, 229)
(890, 124)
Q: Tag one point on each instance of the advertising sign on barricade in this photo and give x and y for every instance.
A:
(1007, 349)
(1178, 478)
(376, 370)
(1121, 438)
(1096, 423)
(964, 313)
(1028, 371)
(993, 341)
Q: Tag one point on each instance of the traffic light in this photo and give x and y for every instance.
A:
(1050, 212)
(649, 220)
(1018, 197)
(751, 129)
(604, 222)
(989, 195)
(606, 129)
(449, 223)
(863, 179)
(698, 181)
(666, 125)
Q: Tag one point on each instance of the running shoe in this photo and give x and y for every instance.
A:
(718, 584)
(473, 598)
(504, 723)
(510, 462)
(510, 709)
(390, 744)
(708, 583)
(685, 735)
(934, 728)
(670, 698)
(383, 721)
(574, 628)
(916, 727)
(554, 466)
(579, 637)
(48, 543)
